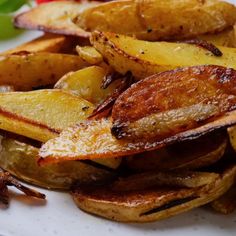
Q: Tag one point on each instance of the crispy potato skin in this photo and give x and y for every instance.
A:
(155, 19)
(174, 101)
(26, 71)
(134, 202)
(54, 17)
(144, 58)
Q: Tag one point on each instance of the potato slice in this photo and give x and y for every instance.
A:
(159, 19)
(93, 140)
(89, 54)
(54, 17)
(20, 160)
(145, 203)
(191, 154)
(174, 101)
(29, 70)
(143, 58)
(87, 84)
(226, 203)
(46, 43)
(41, 114)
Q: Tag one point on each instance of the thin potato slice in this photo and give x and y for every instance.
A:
(192, 154)
(159, 19)
(27, 71)
(93, 140)
(87, 84)
(143, 58)
(46, 43)
(149, 202)
(174, 101)
(20, 160)
(41, 114)
(54, 17)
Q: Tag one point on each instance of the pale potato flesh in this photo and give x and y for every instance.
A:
(27, 71)
(35, 114)
(20, 160)
(144, 58)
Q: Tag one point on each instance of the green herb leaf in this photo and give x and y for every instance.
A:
(7, 29)
(8, 6)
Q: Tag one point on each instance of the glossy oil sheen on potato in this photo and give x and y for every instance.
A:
(174, 101)
(144, 58)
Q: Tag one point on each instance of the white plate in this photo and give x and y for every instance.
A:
(60, 217)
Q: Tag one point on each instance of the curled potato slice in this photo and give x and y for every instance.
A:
(174, 101)
(87, 84)
(20, 159)
(54, 17)
(158, 19)
(26, 71)
(149, 202)
(143, 58)
(191, 154)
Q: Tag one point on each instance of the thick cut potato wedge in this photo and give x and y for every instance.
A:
(226, 38)
(41, 114)
(87, 84)
(159, 19)
(54, 17)
(148, 202)
(27, 71)
(89, 54)
(187, 155)
(143, 58)
(93, 140)
(174, 101)
(20, 160)
(46, 43)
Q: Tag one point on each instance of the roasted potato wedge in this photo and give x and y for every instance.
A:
(93, 140)
(87, 84)
(27, 71)
(149, 202)
(174, 101)
(54, 17)
(47, 43)
(159, 19)
(226, 38)
(226, 203)
(143, 58)
(35, 114)
(20, 160)
(232, 136)
(187, 155)
(89, 54)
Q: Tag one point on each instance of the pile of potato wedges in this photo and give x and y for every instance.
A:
(129, 105)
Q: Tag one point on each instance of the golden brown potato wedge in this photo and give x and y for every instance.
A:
(149, 202)
(89, 54)
(143, 58)
(93, 140)
(41, 114)
(174, 101)
(226, 203)
(226, 38)
(54, 17)
(192, 154)
(20, 160)
(47, 43)
(159, 19)
(27, 71)
(86, 83)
